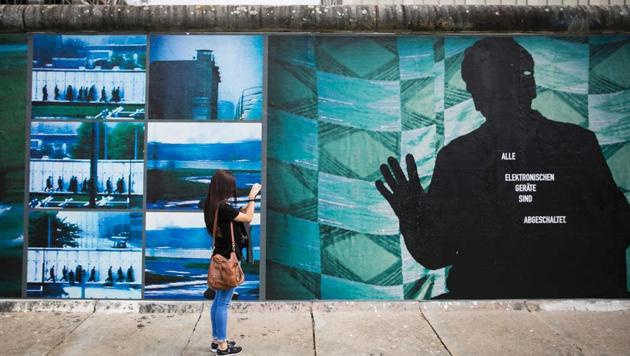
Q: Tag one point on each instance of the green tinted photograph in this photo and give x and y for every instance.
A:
(13, 51)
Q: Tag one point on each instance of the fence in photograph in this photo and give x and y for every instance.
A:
(100, 86)
(125, 176)
(41, 260)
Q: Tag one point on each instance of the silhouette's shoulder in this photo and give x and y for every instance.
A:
(566, 132)
(466, 145)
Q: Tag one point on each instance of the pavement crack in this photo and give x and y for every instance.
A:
(436, 333)
(71, 331)
(193, 330)
(313, 330)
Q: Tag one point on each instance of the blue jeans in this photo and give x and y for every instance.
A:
(219, 314)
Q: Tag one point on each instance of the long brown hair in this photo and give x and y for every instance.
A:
(221, 188)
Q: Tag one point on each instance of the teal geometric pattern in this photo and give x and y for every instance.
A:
(340, 258)
(296, 185)
(355, 205)
(460, 115)
(371, 58)
(358, 103)
(293, 267)
(291, 62)
(300, 246)
(337, 154)
(609, 105)
(297, 133)
(340, 105)
(561, 73)
(359, 107)
(609, 108)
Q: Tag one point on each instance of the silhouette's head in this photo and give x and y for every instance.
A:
(499, 74)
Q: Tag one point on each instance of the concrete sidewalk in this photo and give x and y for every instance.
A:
(116, 328)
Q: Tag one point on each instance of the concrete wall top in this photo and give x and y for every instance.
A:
(351, 18)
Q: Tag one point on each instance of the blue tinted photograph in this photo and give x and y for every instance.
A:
(178, 250)
(88, 77)
(206, 77)
(86, 165)
(182, 158)
(84, 254)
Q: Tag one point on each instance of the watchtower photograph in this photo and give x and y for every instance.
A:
(199, 77)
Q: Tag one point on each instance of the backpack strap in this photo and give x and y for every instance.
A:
(232, 234)
(214, 226)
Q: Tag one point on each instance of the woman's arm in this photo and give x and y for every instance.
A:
(248, 216)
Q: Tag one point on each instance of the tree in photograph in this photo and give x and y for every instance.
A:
(125, 141)
(117, 60)
(62, 233)
(83, 148)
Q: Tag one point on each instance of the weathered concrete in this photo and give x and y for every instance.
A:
(595, 305)
(593, 333)
(180, 307)
(493, 332)
(465, 305)
(32, 333)
(377, 332)
(366, 306)
(499, 327)
(354, 18)
(148, 306)
(277, 331)
(132, 334)
(47, 305)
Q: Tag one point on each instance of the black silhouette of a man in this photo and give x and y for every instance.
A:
(522, 207)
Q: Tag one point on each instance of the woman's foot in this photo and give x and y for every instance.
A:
(230, 350)
(214, 346)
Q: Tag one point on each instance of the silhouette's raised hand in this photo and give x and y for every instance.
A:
(404, 195)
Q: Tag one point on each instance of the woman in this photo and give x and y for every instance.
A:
(221, 189)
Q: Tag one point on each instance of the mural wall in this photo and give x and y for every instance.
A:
(394, 167)
(447, 167)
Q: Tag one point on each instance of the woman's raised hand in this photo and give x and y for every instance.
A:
(254, 191)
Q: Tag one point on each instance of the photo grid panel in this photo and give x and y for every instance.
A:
(86, 166)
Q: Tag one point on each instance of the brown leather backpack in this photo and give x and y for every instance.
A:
(224, 273)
